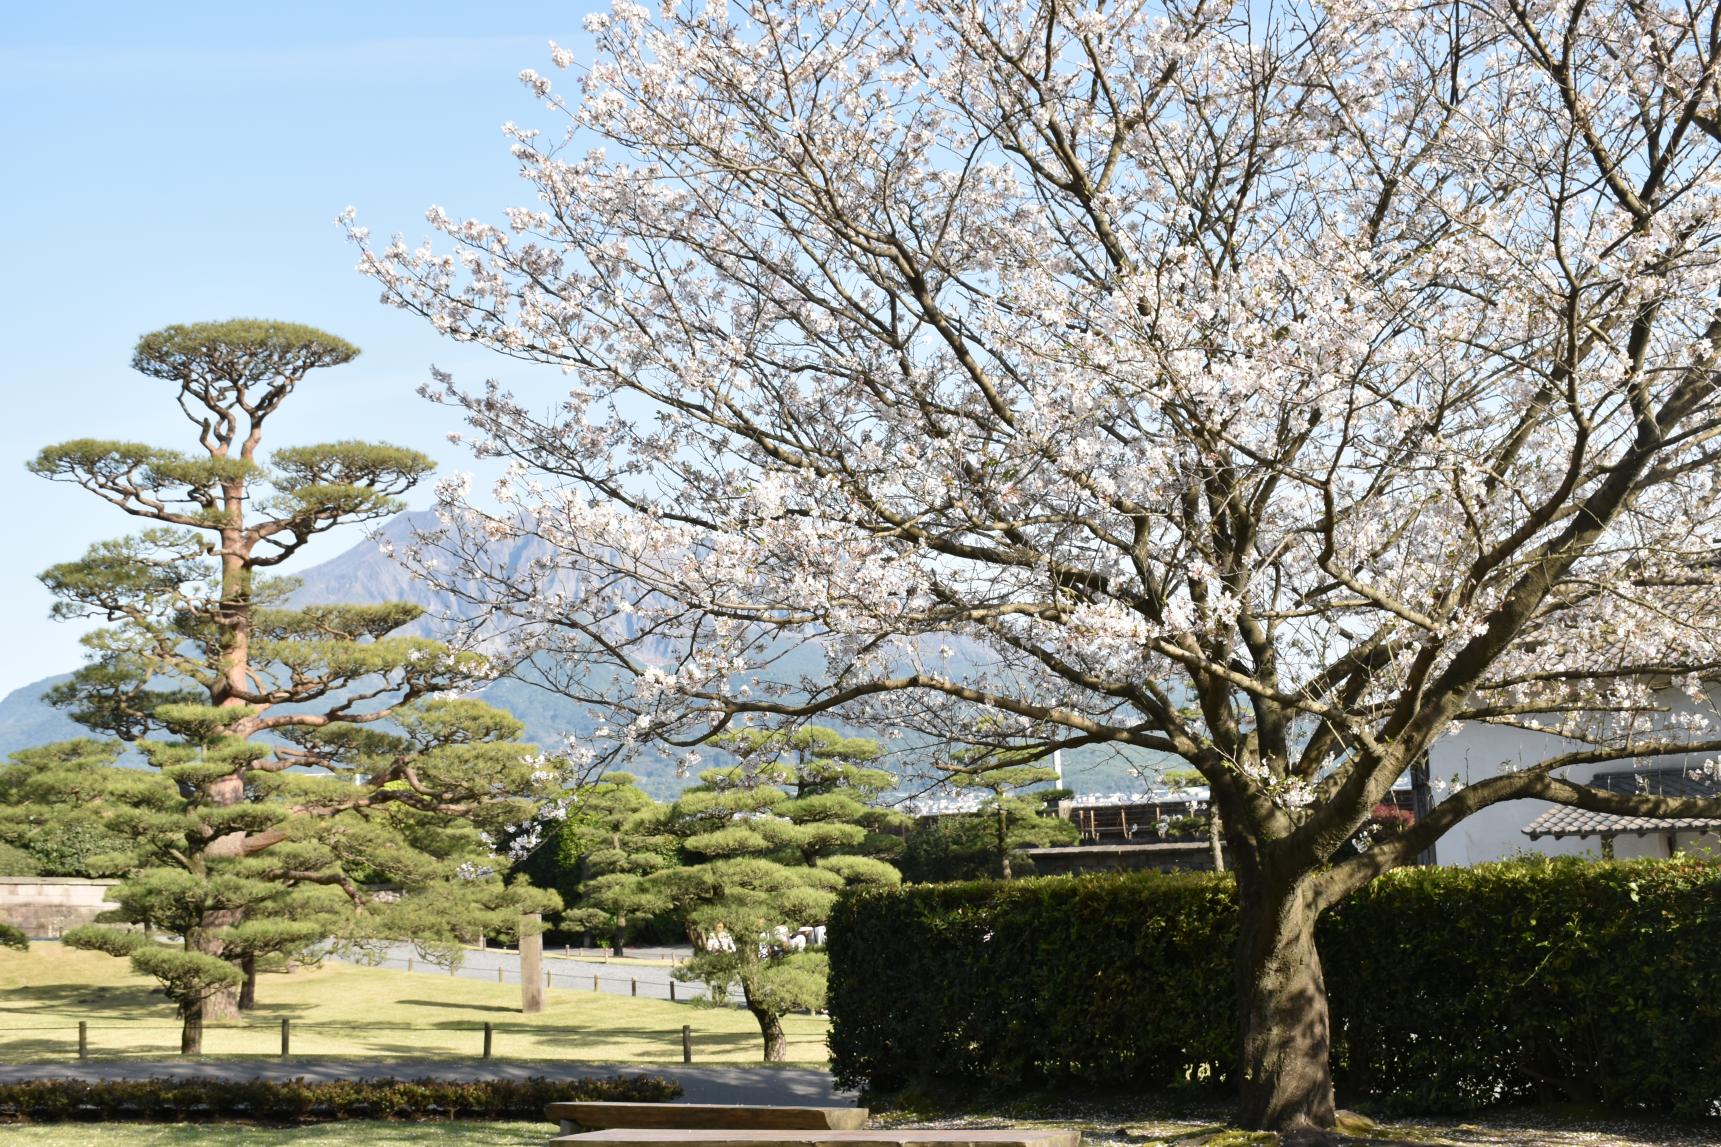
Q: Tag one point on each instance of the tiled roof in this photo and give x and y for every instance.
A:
(1667, 782)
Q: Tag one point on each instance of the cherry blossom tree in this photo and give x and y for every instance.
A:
(1276, 386)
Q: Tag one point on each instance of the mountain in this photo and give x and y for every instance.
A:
(365, 573)
(26, 719)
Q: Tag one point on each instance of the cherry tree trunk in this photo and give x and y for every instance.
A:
(1286, 1060)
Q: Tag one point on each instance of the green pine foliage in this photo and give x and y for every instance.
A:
(188, 978)
(1452, 989)
(969, 846)
(67, 810)
(613, 837)
(767, 844)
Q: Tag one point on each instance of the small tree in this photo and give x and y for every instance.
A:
(612, 838)
(1016, 821)
(189, 979)
(762, 864)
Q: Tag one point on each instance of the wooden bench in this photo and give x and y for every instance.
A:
(601, 1116)
(733, 1137)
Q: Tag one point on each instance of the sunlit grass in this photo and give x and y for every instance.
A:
(342, 1010)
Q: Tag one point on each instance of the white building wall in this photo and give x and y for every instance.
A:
(1479, 751)
(1495, 833)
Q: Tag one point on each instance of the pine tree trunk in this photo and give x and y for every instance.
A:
(1286, 1060)
(770, 1023)
(771, 1027)
(618, 937)
(248, 992)
(1003, 838)
(222, 1003)
(191, 1031)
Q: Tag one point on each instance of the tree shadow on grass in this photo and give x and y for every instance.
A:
(445, 1005)
(33, 1004)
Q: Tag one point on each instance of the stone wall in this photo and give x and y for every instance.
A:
(45, 906)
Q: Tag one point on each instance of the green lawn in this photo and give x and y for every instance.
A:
(342, 1010)
(371, 1133)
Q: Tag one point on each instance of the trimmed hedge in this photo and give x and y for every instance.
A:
(298, 1101)
(1451, 988)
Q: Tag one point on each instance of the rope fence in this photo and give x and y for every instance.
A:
(460, 1040)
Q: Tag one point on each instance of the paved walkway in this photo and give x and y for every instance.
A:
(700, 1083)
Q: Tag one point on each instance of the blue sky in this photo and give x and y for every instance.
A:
(181, 162)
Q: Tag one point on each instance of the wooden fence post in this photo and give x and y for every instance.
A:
(594, 982)
(489, 1034)
(633, 987)
(499, 979)
(672, 991)
(286, 1035)
(686, 1043)
(83, 1039)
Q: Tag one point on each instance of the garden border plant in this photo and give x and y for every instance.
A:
(1452, 989)
(296, 1101)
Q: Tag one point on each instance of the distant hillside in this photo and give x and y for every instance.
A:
(25, 719)
(365, 574)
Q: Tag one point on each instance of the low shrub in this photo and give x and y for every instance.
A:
(294, 1101)
(1450, 989)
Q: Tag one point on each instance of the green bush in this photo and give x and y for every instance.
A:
(299, 1101)
(1092, 979)
(1531, 980)
(13, 937)
(1451, 989)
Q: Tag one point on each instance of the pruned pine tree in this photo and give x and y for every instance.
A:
(833, 779)
(767, 844)
(268, 717)
(613, 837)
(1015, 820)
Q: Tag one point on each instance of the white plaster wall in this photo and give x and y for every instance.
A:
(1495, 833)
